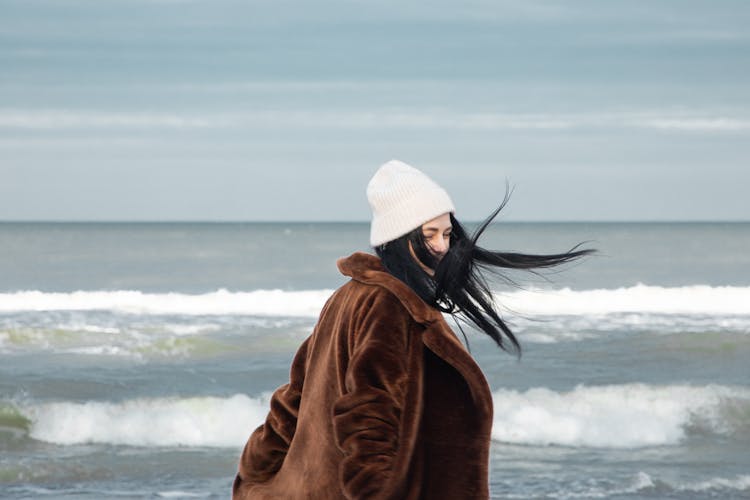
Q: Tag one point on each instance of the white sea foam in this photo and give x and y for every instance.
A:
(642, 481)
(741, 483)
(84, 327)
(738, 483)
(143, 337)
(100, 350)
(615, 416)
(619, 416)
(554, 337)
(182, 494)
(185, 330)
(698, 299)
(687, 300)
(548, 329)
(198, 421)
(221, 302)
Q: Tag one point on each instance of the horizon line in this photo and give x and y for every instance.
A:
(302, 221)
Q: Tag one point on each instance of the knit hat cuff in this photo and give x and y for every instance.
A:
(388, 228)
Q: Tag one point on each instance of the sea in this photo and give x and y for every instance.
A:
(137, 358)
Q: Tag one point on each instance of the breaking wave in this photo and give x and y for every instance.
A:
(615, 416)
(619, 416)
(698, 299)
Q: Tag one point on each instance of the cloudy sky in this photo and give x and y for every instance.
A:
(277, 110)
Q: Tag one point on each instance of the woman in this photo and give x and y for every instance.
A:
(384, 402)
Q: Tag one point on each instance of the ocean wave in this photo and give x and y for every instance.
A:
(642, 482)
(686, 300)
(645, 481)
(13, 422)
(741, 483)
(571, 328)
(575, 489)
(619, 416)
(92, 341)
(143, 338)
(158, 422)
(690, 300)
(220, 302)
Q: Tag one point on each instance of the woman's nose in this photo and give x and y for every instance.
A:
(440, 246)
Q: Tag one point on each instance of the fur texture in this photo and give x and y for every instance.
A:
(383, 402)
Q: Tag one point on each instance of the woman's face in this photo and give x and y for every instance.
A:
(437, 236)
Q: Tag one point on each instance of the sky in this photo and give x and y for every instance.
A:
(223, 110)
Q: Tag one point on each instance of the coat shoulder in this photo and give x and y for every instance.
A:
(371, 300)
(367, 270)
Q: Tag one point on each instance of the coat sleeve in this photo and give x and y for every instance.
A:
(368, 418)
(268, 444)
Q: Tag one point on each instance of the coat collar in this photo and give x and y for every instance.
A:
(437, 336)
(367, 268)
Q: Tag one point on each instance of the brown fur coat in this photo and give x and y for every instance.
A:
(383, 402)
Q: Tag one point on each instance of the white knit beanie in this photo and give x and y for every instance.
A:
(402, 199)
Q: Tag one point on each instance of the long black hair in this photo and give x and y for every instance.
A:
(458, 286)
